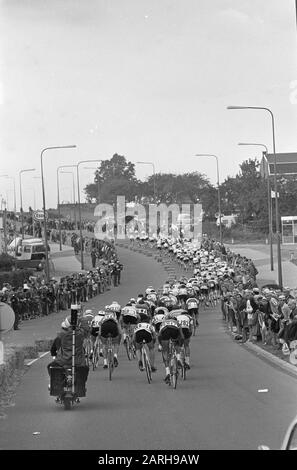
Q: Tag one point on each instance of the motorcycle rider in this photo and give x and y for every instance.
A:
(61, 349)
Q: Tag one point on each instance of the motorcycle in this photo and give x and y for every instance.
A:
(61, 386)
(68, 383)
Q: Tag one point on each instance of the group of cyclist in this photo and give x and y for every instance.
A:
(158, 317)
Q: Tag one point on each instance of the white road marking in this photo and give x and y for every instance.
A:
(264, 390)
(34, 360)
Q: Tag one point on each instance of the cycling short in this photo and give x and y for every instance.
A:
(187, 333)
(182, 297)
(144, 318)
(109, 327)
(193, 310)
(129, 320)
(168, 333)
(94, 332)
(143, 335)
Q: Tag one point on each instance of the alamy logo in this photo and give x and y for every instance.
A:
(293, 94)
(124, 220)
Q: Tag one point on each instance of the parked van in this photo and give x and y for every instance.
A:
(28, 252)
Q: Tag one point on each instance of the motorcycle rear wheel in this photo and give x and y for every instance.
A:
(67, 403)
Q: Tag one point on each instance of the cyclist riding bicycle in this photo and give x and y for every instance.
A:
(86, 320)
(185, 321)
(129, 319)
(157, 320)
(114, 307)
(110, 326)
(192, 306)
(169, 329)
(145, 331)
(95, 326)
(143, 311)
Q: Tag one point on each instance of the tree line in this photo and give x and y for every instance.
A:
(244, 194)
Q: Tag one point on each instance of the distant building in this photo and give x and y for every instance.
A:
(286, 164)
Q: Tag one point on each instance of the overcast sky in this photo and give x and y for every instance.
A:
(148, 79)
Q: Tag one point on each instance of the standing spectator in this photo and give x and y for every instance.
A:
(93, 257)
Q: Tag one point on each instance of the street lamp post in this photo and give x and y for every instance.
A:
(21, 198)
(154, 173)
(218, 185)
(269, 204)
(79, 209)
(43, 199)
(73, 190)
(58, 197)
(277, 220)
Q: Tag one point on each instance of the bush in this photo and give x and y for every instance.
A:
(16, 278)
(6, 262)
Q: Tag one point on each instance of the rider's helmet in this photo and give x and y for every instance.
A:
(66, 323)
(88, 312)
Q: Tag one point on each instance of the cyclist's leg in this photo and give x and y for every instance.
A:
(187, 350)
(151, 347)
(104, 350)
(165, 355)
(116, 344)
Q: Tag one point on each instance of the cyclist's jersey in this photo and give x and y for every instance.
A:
(143, 312)
(165, 300)
(166, 289)
(204, 286)
(173, 299)
(157, 320)
(129, 315)
(175, 290)
(109, 326)
(86, 321)
(96, 321)
(184, 321)
(169, 329)
(116, 308)
(182, 291)
(144, 332)
(211, 284)
(151, 297)
(192, 303)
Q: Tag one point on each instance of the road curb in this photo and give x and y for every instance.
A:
(14, 360)
(268, 356)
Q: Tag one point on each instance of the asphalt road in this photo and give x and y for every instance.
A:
(219, 406)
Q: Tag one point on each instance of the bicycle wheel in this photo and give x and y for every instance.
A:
(110, 360)
(95, 357)
(183, 368)
(173, 372)
(146, 363)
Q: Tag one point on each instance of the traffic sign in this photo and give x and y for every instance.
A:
(38, 215)
(6, 317)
